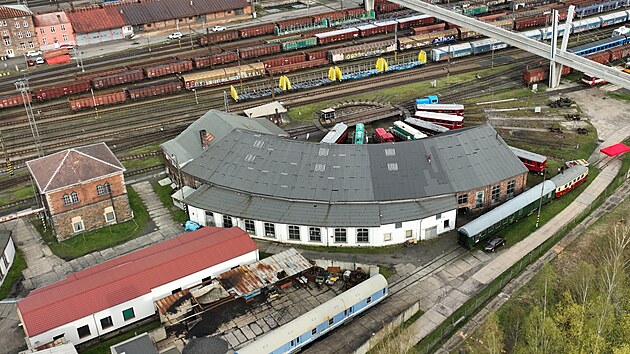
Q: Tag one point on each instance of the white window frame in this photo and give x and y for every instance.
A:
(387, 236)
(315, 234)
(270, 229)
(360, 235)
(340, 233)
(292, 229)
(108, 211)
(250, 226)
(75, 223)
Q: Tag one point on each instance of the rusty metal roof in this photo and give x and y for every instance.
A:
(250, 278)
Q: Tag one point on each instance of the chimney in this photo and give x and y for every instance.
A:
(191, 2)
(205, 138)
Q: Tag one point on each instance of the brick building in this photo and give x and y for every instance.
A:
(83, 189)
(17, 30)
(53, 30)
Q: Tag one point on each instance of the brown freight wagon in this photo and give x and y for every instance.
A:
(218, 37)
(167, 69)
(357, 11)
(87, 76)
(297, 66)
(620, 52)
(117, 79)
(100, 99)
(601, 57)
(321, 54)
(387, 7)
(491, 18)
(13, 100)
(292, 59)
(137, 93)
(427, 29)
(294, 22)
(70, 88)
(154, 62)
(260, 50)
(217, 59)
(335, 15)
(256, 31)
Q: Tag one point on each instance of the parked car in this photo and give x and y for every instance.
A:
(30, 62)
(33, 53)
(67, 46)
(493, 244)
(218, 28)
(39, 60)
(176, 35)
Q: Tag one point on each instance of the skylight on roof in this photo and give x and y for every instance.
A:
(390, 152)
(392, 166)
(323, 152)
(250, 157)
(259, 143)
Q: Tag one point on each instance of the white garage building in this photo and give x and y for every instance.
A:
(117, 293)
(339, 195)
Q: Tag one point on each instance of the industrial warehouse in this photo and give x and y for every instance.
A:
(269, 185)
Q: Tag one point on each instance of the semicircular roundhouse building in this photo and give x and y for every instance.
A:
(246, 173)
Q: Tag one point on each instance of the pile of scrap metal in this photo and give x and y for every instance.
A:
(354, 277)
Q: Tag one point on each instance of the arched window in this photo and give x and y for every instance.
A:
(103, 189)
(75, 197)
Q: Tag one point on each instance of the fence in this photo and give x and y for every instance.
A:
(444, 330)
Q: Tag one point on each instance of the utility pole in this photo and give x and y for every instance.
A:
(23, 88)
(190, 35)
(226, 105)
(542, 191)
(94, 101)
(6, 156)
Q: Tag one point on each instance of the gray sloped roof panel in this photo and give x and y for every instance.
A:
(506, 209)
(413, 210)
(187, 146)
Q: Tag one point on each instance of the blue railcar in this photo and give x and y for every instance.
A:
(307, 328)
(586, 24)
(532, 34)
(600, 45)
(452, 51)
(487, 45)
(427, 100)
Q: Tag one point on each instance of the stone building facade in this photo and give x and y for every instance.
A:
(17, 31)
(83, 189)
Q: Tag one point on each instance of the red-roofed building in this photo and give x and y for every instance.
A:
(82, 188)
(98, 25)
(114, 294)
(53, 30)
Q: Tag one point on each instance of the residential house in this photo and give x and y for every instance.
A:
(82, 189)
(54, 30)
(17, 30)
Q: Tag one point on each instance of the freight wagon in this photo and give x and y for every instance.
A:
(223, 76)
(256, 31)
(167, 69)
(415, 21)
(13, 100)
(338, 35)
(362, 51)
(276, 62)
(259, 50)
(299, 44)
(56, 91)
(128, 76)
(219, 37)
(99, 99)
(217, 59)
(155, 89)
(297, 66)
(428, 29)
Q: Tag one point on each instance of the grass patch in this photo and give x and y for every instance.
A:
(14, 275)
(397, 94)
(264, 255)
(102, 238)
(20, 192)
(138, 164)
(619, 95)
(103, 347)
(341, 249)
(386, 271)
(164, 193)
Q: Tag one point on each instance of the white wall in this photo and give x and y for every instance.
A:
(376, 234)
(9, 255)
(143, 306)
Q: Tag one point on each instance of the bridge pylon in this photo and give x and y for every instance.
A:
(555, 69)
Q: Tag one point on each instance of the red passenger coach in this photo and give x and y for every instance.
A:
(450, 121)
(534, 162)
(457, 109)
(569, 179)
(383, 136)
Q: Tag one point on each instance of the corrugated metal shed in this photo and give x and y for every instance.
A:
(250, 278)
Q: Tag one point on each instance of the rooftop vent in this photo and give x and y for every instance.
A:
(392, 166)
(390, 152)
(320, 167)
(259, 143)
(323, 152)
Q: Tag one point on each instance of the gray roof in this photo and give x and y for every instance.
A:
(322, 214)
(5, 236)
(186, 146)
(504, 210)
(140, 344)
(569, 174)
(264, 165)
(532, 156)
